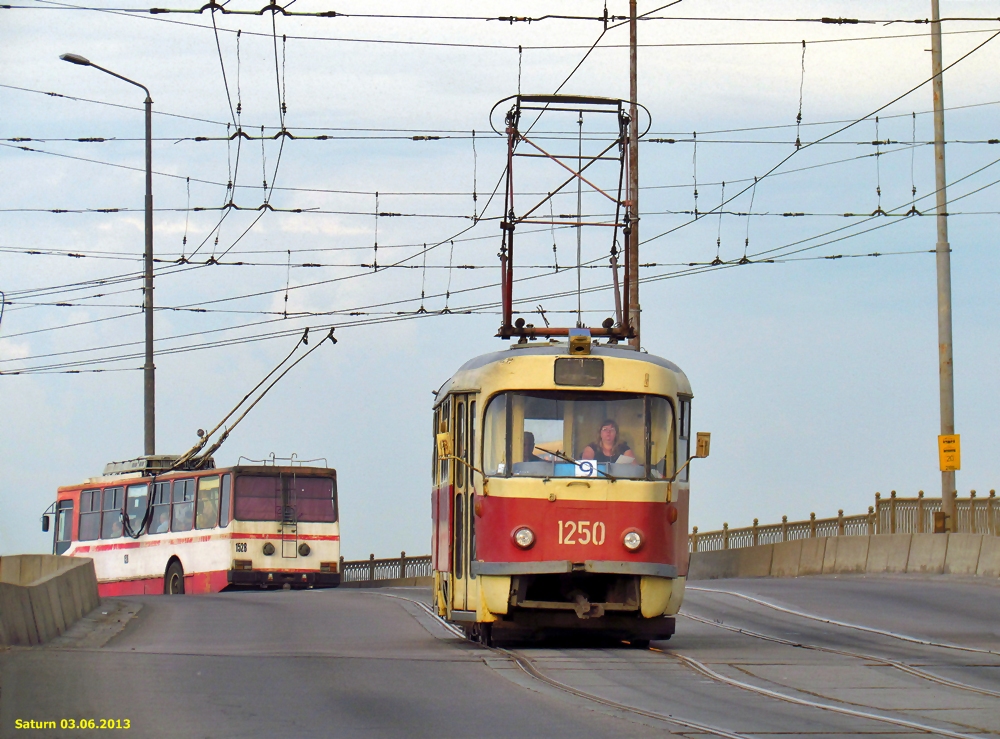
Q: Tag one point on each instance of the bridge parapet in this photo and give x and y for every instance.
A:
(892, 515)
(374, 573)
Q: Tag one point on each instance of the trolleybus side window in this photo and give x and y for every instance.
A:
(460, 443)
(225, 502)
(208, 503)
(183, 508)
(160, 522)
(111, 528)
(64, 525)
(90, 515)
(135, 505)
(684, 437)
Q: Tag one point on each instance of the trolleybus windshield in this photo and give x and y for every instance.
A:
(579, 434)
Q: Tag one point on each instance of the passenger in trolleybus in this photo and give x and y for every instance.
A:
(607, 448)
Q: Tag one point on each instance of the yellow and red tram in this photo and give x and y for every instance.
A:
(560, 491)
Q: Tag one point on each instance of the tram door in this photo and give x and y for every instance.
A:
(465, 593)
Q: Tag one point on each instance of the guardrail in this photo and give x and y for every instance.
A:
(888, 516)
(373, 572)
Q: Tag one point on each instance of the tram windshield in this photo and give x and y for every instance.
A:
(579, 434)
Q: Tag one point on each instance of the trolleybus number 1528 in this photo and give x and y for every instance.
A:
(589, 533)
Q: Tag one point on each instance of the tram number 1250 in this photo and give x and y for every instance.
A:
(581, 532)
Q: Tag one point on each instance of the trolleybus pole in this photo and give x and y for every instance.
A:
(148, 370)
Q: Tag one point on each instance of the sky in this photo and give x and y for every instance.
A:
(817, 376)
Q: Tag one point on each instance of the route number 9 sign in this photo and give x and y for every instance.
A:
(586, 468)
(950, 452)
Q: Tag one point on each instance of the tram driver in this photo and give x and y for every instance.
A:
(608, 448)
(529, 448)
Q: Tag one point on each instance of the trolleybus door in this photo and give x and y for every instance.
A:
(464, 591)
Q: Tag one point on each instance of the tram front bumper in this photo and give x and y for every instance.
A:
(278, 579)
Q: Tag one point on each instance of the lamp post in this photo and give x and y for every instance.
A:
(149, 385)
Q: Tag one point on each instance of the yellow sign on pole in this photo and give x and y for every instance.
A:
(950, 452)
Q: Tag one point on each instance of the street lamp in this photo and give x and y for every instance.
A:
(149, 385)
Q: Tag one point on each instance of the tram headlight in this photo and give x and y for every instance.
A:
(524, 537)
(632, 539)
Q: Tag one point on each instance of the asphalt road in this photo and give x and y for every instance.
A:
(351, 663)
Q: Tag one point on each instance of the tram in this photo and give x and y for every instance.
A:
(560, 491)
(153, 529)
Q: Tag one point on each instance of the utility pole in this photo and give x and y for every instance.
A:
(633, 181)
(943, 251)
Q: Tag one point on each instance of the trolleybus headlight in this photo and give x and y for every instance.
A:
(268, 549)
(632, 540)
(524, 537)
(304, 550)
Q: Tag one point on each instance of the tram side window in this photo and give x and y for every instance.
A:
(135, 505)
(684, 438)
(183, 500)
(160, 522)
(112, 526)
(472, 433)
(224, 505)
(64, 525)
(460, 443)
(661, 436)
(90, 515)
(208, 503)
(495, 436)
(445, 427)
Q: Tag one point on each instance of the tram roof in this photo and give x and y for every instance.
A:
(557, 349)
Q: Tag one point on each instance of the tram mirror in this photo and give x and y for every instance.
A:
(445, 444)
(703, 443)
(45, 523)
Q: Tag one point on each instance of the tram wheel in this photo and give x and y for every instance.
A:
(639, 643)
(173, 583)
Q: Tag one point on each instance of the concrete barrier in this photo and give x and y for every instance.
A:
(989, 557)
(888, 553)
(811, 559)
(785, 560)
(927, 553)
(42, 595)
(962, 557)
(955, 554)
(852, 554)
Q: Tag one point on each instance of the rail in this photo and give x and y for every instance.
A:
(374, 570)
(890, 515)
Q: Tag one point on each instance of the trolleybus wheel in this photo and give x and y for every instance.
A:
(174, 581)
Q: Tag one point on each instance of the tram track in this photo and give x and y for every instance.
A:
(901, 666)
(527, 666)
(848, 625)
(708, 672)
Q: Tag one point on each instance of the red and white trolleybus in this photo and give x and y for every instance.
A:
(204, 530)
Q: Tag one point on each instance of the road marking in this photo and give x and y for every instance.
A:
(846, 625)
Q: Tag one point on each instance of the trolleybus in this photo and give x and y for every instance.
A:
(204, 530)
(560, 491)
